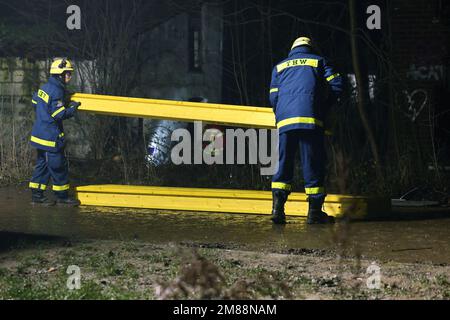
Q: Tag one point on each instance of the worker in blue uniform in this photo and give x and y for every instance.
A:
(302, 89)
(47, 136)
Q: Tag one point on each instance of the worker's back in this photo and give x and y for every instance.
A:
(302, 89)
(299, 89)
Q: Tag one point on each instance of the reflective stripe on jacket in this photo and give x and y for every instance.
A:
(47, 133)
(302, 89)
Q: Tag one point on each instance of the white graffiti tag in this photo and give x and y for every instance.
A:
(429, 73)
(416, 101)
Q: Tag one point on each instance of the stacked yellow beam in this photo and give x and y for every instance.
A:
(195, 199)
(219, 200)
(240, 116)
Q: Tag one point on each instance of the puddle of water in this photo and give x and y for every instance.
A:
(406, 241)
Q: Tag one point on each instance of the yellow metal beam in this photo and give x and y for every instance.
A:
(221, 200)
(195, 199)
(242, 116)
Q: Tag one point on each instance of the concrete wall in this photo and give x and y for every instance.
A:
(170, 73)
(167, 75)
(19, 78)
(421, 56)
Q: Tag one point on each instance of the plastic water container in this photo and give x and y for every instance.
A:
(160, 143)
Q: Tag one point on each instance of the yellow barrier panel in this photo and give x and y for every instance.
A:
(195, 199)
(220, 200)
(241, 116)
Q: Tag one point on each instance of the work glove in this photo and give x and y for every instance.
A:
(74, 104)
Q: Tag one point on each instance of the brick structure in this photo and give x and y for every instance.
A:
(420, 46)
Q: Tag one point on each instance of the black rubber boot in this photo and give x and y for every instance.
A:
(279, 199)
(315, 213)
(38, 198)
(63, 199)
(68, 202)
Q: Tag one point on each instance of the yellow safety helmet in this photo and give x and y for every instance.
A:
(302, 41)
(60, 65)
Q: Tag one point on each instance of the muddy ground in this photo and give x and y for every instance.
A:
(36, 268)
(146, 254)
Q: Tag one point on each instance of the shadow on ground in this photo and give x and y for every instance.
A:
(18, 240)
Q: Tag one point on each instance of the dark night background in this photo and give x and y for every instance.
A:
(390, 131)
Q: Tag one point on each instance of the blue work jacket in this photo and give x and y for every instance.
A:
(302, 89)
(48, 133)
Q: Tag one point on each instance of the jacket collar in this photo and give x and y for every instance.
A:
(301, 49)
(55, 81)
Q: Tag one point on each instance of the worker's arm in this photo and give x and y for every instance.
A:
(334, 80)
(59, 111)
(274, 87)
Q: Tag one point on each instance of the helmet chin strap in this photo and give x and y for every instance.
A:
(60, 77)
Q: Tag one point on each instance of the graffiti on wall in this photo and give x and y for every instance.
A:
(416, 100)
(428, 73)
